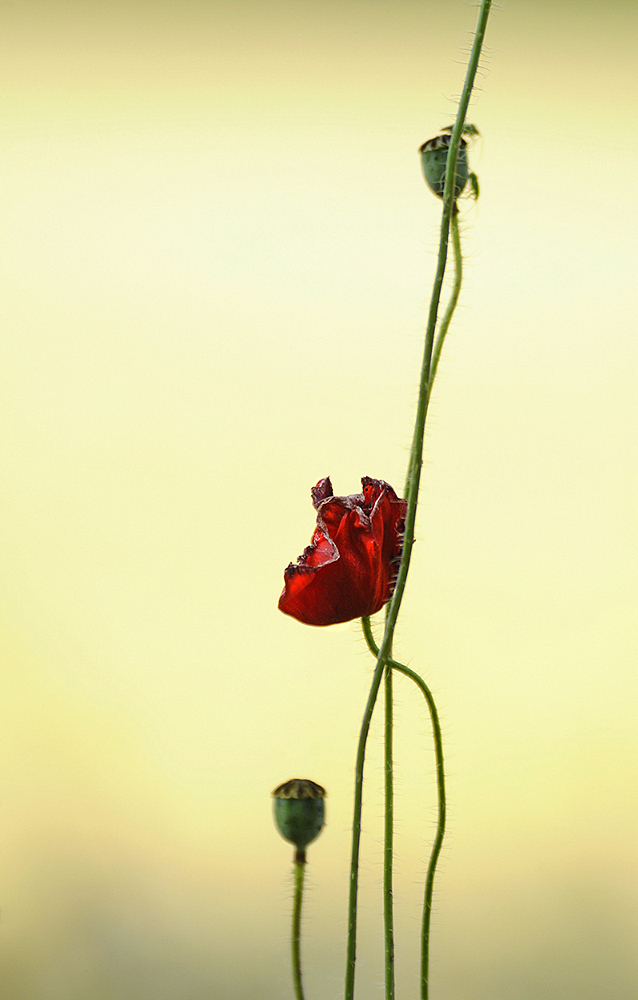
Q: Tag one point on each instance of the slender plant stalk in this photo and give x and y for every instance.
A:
(440, 784)
(393, 664)
(300, 868)
(414, 477)
(454, 296)
(356, 824)
(388, 845)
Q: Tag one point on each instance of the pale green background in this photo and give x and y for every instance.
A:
(216, 258)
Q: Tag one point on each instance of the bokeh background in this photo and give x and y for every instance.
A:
(216, 258)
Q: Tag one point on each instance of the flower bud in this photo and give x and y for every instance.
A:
(434, 160)
(298, 811)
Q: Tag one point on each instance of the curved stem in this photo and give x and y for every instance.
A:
(356, 826)
(414, 477)
(440, 783)
(447, 316)
(454, 297)
(388, 843)
(300, 866)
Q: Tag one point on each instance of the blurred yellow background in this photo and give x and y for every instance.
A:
(217, 252)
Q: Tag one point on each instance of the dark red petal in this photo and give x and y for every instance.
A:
(320, 551)
(348, 570)
(321, 491)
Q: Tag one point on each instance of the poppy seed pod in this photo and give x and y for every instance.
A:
(434, 161)
(299, 811)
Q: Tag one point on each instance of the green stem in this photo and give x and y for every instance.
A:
(300, 866)
(388, 847)
(454, 297)
(440, 784)
(447, 317)
(449, 211)
(356, 825)
(414, 477)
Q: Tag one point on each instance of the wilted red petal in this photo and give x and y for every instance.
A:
(349, 568)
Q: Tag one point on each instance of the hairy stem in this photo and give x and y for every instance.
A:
(447, 317)
(440, 786)
(414, 477)
(454, 297)
(300, 867)
(356, 825)
(388, 845)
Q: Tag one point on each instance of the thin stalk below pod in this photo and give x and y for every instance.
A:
(300, 870)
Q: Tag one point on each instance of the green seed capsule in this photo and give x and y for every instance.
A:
(434, 159)
(299, 811)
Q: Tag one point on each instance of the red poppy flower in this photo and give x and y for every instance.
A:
(349, 568)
